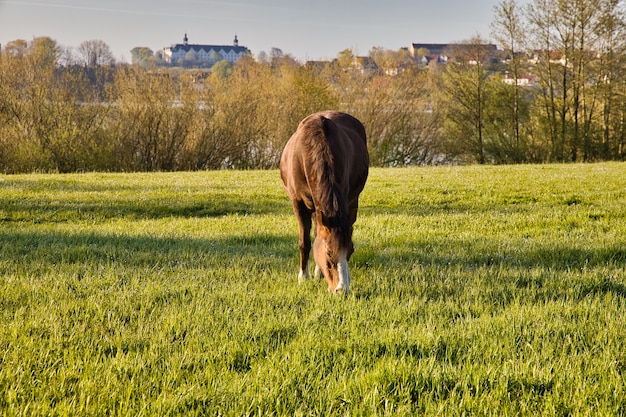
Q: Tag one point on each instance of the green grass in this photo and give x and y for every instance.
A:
(475, 291)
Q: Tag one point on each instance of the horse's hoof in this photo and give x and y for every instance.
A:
(317, 274)
(302, 277)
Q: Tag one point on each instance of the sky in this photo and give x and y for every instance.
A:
(308, 30)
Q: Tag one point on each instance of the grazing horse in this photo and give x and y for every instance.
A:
(324, 167)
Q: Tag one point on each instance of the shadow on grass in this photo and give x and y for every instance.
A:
(53, 248)
(603, 286)
(554, 271)
(444, 253)
(49, 249)
(59, 200)
(69, 210)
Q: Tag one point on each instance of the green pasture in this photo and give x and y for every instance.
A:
(497, 290)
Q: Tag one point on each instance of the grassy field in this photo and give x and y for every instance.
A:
(475, 291)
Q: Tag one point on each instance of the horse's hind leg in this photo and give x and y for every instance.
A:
(303, 215)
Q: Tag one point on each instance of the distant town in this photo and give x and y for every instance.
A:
(196, 55)
(205, 55)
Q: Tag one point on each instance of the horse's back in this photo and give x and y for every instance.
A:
(348, 123)
(344, 135)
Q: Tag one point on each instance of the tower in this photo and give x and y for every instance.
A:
(236, 41)
(185, 40)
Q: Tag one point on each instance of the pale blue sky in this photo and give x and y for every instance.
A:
(306, 29)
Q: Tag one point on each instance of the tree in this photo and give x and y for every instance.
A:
(402, 119)
(508, 109)
(215, 57)
(152, 124)
(576, 40)
(465, 83)
(67, 57)
(44, 52)
(142, 55)
(17, 47)
(262, 56)
(574, 26)
(49, 121)
(610, 30)
(422, 52)
(237, 126)
(275, 53)
(551, 103)
(509, 31)
(389, 61)
(191, 59)
(345, 59)
(95, 53)
(222, 69)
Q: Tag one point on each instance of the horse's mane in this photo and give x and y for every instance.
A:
(320, 171)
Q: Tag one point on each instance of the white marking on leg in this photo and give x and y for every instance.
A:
(344, 274)
(303, 275)
(317, 273)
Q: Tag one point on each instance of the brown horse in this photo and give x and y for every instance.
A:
(324, 167)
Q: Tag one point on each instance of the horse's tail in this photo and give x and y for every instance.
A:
(327, 193)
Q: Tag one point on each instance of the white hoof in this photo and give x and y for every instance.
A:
(317, 274)
(303, 276)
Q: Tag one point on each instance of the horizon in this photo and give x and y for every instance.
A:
(299, 29)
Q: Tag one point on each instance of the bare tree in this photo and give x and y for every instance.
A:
(543, 41)
(152, 124)
(574, 25)
(509, 31)
(571, 37)
(95, 53)
(610, 29)
(465, 83)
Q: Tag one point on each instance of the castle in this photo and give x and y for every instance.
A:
(204, 53)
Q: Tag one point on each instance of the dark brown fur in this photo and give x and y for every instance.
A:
(324, 167)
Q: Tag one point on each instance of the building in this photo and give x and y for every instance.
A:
(443, 52)
(203, 54)
(428, 49)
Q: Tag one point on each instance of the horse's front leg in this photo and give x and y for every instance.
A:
(303, 215)
(317, 274)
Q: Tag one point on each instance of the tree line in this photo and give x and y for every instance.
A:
(554, 92)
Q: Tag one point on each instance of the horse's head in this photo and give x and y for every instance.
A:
(331, 251)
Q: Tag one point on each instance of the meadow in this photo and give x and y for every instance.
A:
(478, 290)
